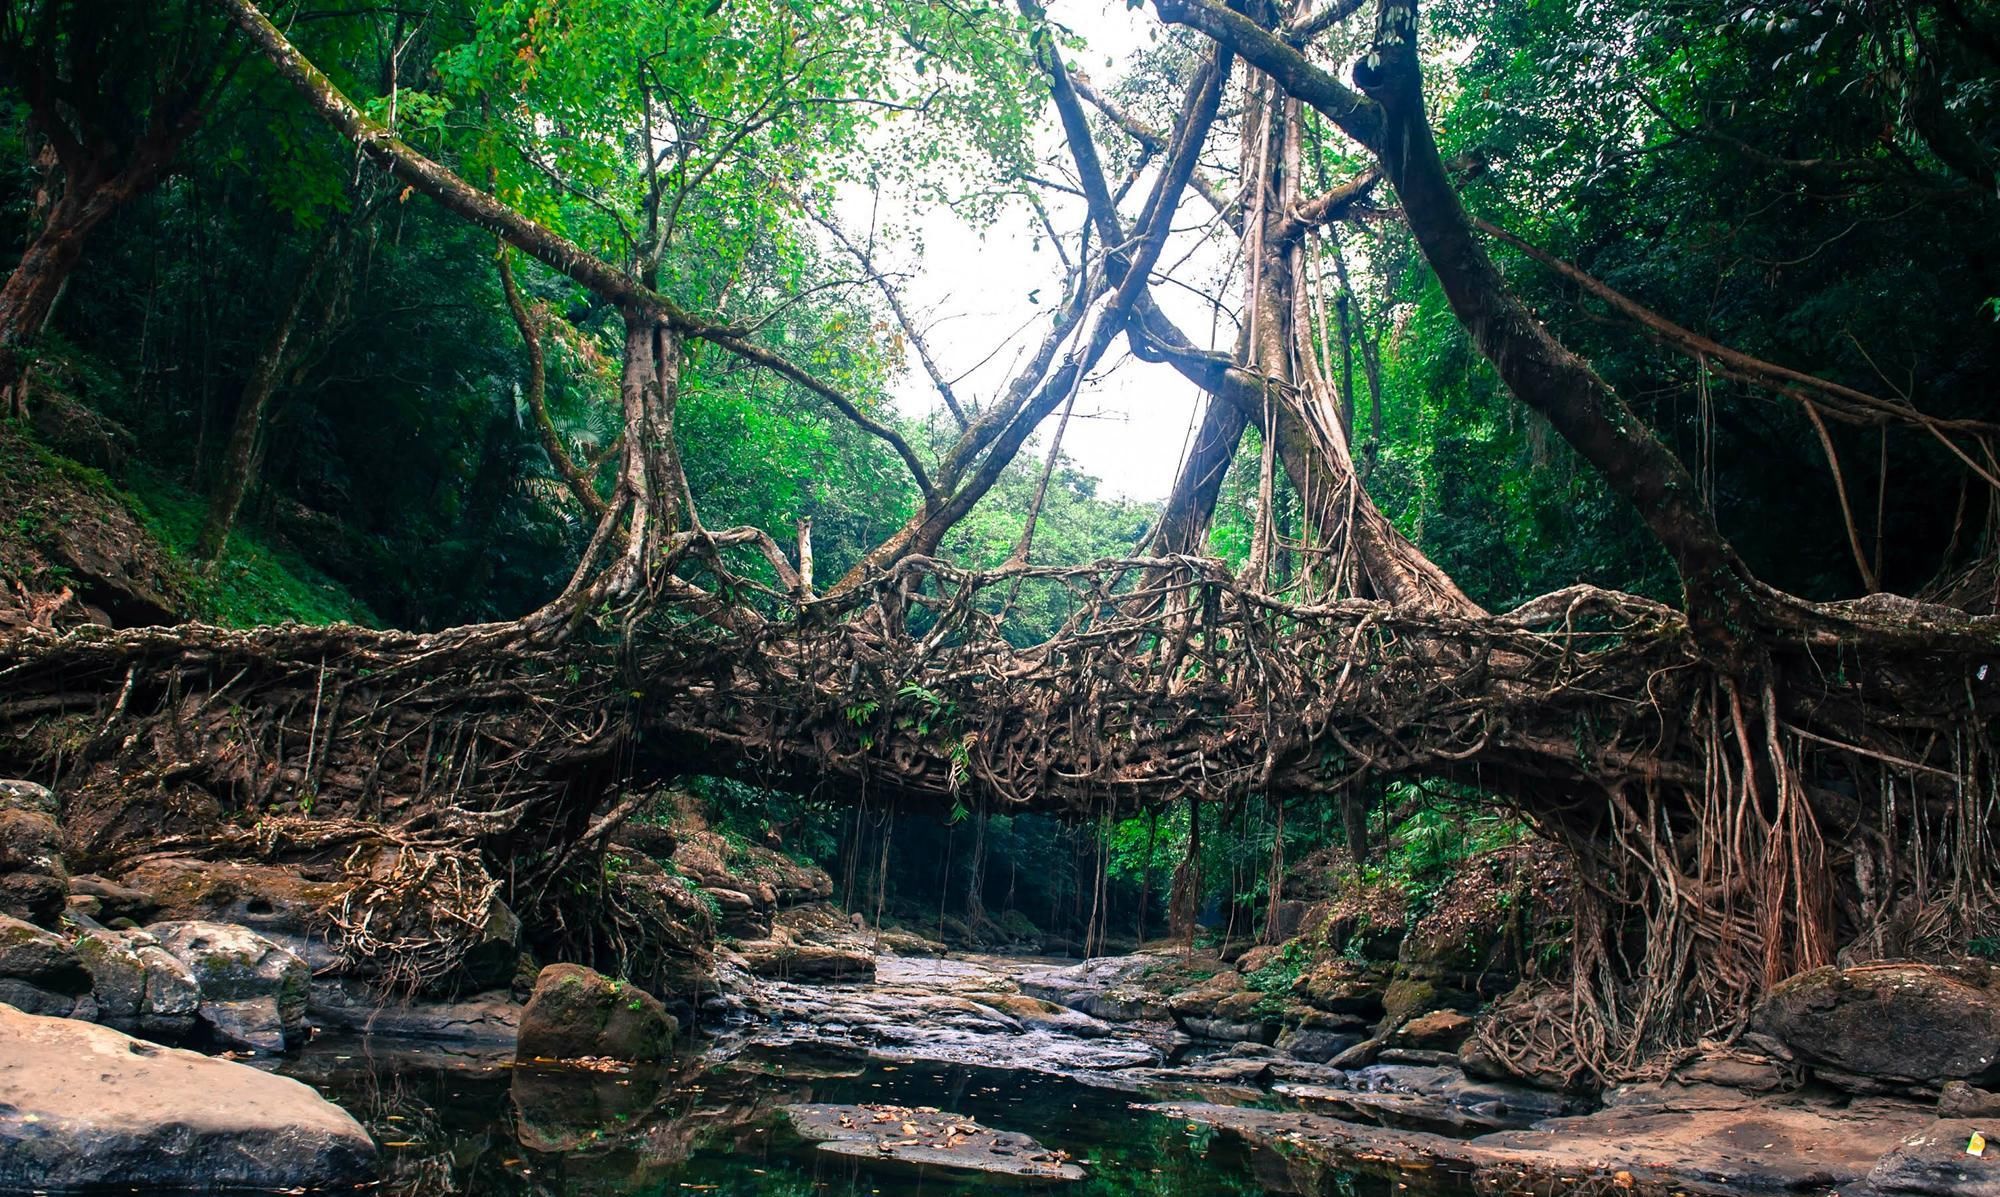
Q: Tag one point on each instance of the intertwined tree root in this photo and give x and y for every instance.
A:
(1732, 823)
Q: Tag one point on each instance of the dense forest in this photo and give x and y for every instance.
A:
(508, 413)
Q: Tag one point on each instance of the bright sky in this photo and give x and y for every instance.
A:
(971, 291)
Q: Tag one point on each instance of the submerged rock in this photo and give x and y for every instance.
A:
(576, 1012)
(84, 1106)
(253, 992)
(1895, 1022)
(927, 1138)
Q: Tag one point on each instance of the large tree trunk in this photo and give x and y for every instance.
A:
(28, 298)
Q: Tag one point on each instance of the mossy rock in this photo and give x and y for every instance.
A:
(578, 1013)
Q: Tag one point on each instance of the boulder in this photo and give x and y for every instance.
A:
(1223, 1009)
(492, 962)
(1341, 987)
(39, 970)
(1438, 1031)
(1960, 1100)
(83, 1107)
(780, 956)
(1933, 1162)
(1895, 1022)
(577, 1013)
(253, 992)
(1316, 1046)
(113, 901)
(34, 885)
(137, 985)
(269, 899)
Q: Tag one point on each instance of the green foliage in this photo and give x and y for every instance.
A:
(253, 582)
(1439, 828)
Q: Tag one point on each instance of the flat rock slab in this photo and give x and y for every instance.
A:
(83, 1106)
(1762, 1145)
(928, 1138)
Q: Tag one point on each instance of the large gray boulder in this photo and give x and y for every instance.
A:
(137, 985)
(253, 992)
(84, 1107)
(1893, 1023)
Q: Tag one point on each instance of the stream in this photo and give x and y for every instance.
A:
(463, 1124)
(459, 1119)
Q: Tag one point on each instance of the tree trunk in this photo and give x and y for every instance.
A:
(239, 460)
(30, 293)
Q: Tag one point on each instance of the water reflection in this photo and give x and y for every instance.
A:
(467, 1123)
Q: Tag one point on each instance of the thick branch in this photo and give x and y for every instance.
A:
(397, 156)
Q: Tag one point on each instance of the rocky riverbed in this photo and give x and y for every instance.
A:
(1315, 1066)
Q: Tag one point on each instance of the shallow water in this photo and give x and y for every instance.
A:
(454, 1123)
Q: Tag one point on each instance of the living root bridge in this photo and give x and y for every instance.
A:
(1735, 824)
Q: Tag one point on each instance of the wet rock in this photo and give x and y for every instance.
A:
(907, 943)
(1413, 1055)
(30, 797)
(576, 1012)
(84, 1106)
(814, 942)
(929, 1139)
(29, 953)
(953, 1011)
(137, 985)
(253, 991)
(1896, 1022)
(786, 957)
(1039, 1014)
(741, 915)
(1933, 1162)
(34, 884)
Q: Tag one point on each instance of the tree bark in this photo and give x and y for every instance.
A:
(90, 194)
(239, 460)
